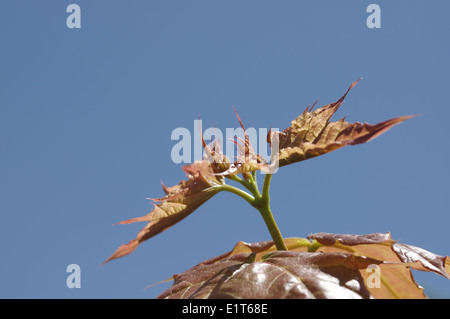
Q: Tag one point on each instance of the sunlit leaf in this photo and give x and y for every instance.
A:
(180, 201)
(322, 266)
(312, 134)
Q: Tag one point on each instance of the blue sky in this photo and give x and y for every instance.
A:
(86, 117)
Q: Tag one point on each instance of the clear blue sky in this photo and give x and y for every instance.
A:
(86, 117)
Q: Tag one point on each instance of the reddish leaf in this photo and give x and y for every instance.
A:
(280, 275)
(385, 249)
(325, 266)
(312, 134)
(350, 240)
(180, 201)
(424, 260)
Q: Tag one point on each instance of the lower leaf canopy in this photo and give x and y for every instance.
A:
(324, 266)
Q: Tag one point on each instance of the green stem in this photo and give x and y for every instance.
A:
(261, 201)
(249, 198)
(263, 206)
(273, 228)
(250, 185)
(265, 190)
(235, 178)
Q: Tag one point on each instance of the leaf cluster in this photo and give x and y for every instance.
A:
(320, 266)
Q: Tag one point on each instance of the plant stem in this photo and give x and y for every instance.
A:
(263, 205)
(261, 201)
(265, 190)
(273, 228)
(251, 186)
(249, 198)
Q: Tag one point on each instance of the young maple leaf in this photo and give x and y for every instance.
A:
(311, 134)
(180, 201)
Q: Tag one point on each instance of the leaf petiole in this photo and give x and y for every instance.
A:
(260, 201)
(249, 198)
(248, 184)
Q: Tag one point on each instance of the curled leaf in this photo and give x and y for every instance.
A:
(423, 259)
